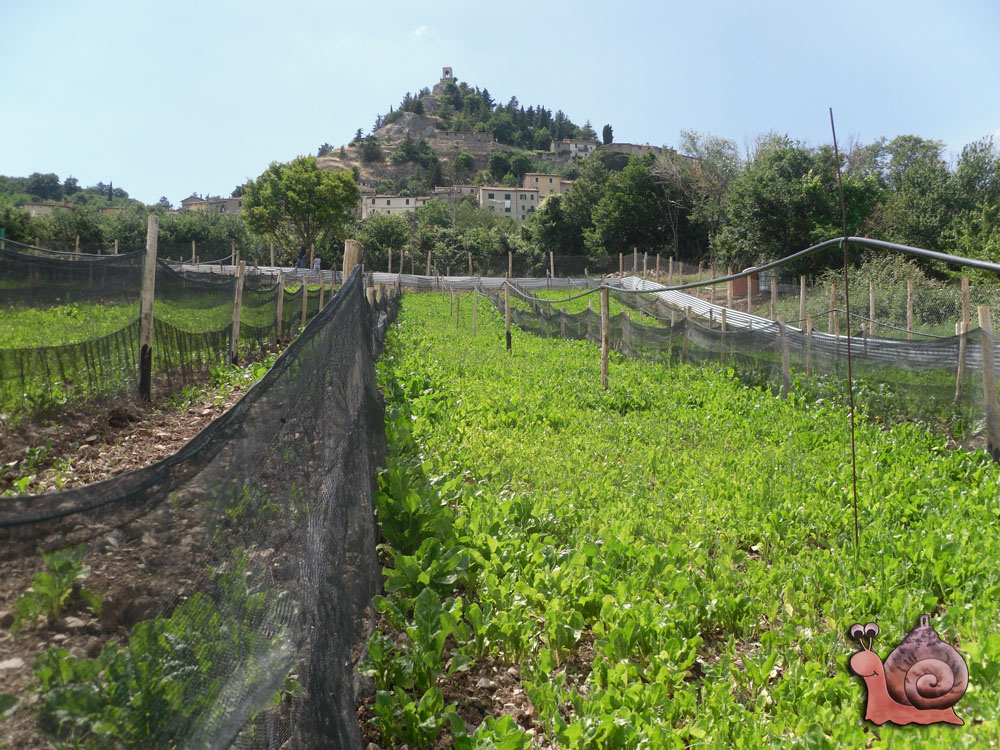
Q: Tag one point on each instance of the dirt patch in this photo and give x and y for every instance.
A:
(144, 568)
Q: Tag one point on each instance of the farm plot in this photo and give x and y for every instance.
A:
(670, 563)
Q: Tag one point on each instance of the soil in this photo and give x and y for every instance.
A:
(144, 568)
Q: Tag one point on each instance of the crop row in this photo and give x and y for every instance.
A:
(669, 563)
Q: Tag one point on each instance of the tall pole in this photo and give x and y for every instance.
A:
(146, 308)
(605, 335)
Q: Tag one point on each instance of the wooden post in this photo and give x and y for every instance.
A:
(552, 264)
(77, 243)
(802, 299)
(428, 263)
(701, 267)
(510, 264)
(370, 295)
(871, 306)
(657, 268)
(670, 271)
(451, 302)
(270, 248)
(729, 288)
(774, 296)
(722, 340)
(280, 312)
(146, 308)
(390, 261)
(961, 330)
(321, 289)
(506, 310)
(413, 271)
(621, 264)
(990, 384)
(809, 345)
(635, 261)
(312, 253)
(475, 310)
(605, 335)
(645, 264)
(832, 315)
(965, 302)
(687, 334)
(786, 374)
(470, 262)
(234, 338)
(909, 309)
(458, 311)
(304, 289)
(352, 256)
(116, 248)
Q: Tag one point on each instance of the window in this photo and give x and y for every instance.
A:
(550, 180)
(490, 196)
(506, 196)
(387, 202)
(536, 180)
(507, 210)
(407, 201)
(373, 201)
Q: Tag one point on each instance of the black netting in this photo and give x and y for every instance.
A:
(254, 559)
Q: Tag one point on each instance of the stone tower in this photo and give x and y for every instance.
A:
(447, 74)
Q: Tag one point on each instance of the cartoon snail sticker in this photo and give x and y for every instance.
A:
(920, 681)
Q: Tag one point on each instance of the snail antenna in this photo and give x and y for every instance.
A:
(850, 379)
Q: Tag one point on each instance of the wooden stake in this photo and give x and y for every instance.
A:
(809, 345)
(621, 264)
(510, 264)
(961, 330)
(749, 294)
(321, 290)
(657, 268)
(990, 384)
(687, 334)
(270, 248)
(390, 261)
(116, 250)
(470, 262)
(552, 264)
(280, 312)
(78, 243)
(774, 297)
(458, 312)
(146, 308)
(802, 299)
(722, 340)
(729, 288)
(234, 337)
(605, 335)
(909, 309)
(304, 289)
(352, 256)
(428, 263)
(786, 374)
(506, 310)
(832, 315)
(871, 306)
(965, 302)
(701, 268)
(475, 310)
(645, 264)
(670, 271)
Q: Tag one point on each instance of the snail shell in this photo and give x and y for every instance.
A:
(924, 671)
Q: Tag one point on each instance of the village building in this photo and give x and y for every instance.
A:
(390, 204)
(195, 203)
(574, 147)
(515, 203)
(546, 184)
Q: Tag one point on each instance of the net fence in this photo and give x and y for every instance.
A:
(941, 381)
(239, 571)
(71, 330)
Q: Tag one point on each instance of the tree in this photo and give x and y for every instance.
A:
(164, 203)
(44, 186)
(607, 135)
(299, 204)
(371, 150)
(498, 164)
(358, 135)
(631, 213)
(379, 234)
(520, 164)
(543, 139)
(324, 149)
(463, 165)
(434, 212)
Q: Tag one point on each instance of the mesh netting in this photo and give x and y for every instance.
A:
(248, 560)
(937, 381)
(71, 324)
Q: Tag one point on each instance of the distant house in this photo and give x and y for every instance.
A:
(574, 147)
(390, 204)
(546, 184)
(451, 193)
(515, 203)
(194, 203)
(45, 209)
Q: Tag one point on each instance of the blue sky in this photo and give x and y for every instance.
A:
(181, 97)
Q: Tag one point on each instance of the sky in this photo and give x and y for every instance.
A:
(170, 99)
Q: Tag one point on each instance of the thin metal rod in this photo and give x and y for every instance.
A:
(847, 304)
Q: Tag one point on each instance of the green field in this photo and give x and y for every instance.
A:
(671, 563)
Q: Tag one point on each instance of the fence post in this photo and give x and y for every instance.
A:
(390, 261)
(234, 338)
(270, 248)
(304, 289)
(965, 301)
(832, 315)
(871, 306)
(475, 309)
(701, 267)
(116, 247)
(321, 289)
(451, 302)
(729, 288)
(657, 268)
(280, 312)
(670, 271)
(749, 294)
(470, 262)
(428, 273)
(352, 256)
(506, 310)
(621, 264)
(605, 335)
(458, 311)
(722, 341)
(687, 335)
(635, 261)
(552, 264)
(802, 299)
(77, 244)
(809, 345)
(645, 263)
(961, 329)
(146, 308)
(786, 375)
(990, 384)
(909, 309)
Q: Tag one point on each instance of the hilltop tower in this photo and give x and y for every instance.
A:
(447, 75)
